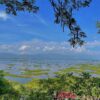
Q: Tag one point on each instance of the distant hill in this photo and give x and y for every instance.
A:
(46, 57)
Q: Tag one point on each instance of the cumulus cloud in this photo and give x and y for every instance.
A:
(95, 43)
(3, 15)
(23, 47)
(38, 46)
(79, 49)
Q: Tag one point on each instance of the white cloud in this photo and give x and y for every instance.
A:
(39, 46)
(23, 47)
(47, 48)
(3, 15)
(95, 43)
(79, 49)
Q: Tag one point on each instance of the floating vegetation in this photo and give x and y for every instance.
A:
(36, 72)
(37, 65)
(93, 69)
(27, 73)
(11, 65)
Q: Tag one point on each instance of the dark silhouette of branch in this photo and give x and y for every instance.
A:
(98, 26)
(63, 11)
(13, 6)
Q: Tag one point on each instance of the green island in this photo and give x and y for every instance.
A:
(35, 72)
(27, 73)
(83, 85)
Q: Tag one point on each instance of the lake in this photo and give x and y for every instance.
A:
(25, 69)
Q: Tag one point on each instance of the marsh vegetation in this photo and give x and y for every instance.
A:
(83, 80)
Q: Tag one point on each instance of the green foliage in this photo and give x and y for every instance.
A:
(84, 86)
(13, 6)
(98, 26)
(5, 86)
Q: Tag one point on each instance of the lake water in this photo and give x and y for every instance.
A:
(16, 66)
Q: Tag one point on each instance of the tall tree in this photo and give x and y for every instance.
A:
(98, 26)
(63, 11)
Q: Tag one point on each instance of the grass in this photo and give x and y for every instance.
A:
(11, 65)
(37, 89)
(28, 73)
(36, 72)
(77, 69)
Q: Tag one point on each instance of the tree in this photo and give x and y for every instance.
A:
(5, 87)
(63, 11)
(13, 6)
(98, 26)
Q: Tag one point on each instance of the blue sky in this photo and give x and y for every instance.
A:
(27, 28)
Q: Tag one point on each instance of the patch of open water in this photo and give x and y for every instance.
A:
(19, 66)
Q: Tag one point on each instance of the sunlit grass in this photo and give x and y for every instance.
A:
(36, 72)
(11, 65)
(26, 73)
(93, 69)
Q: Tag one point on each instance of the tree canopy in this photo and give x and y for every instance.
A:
(98, 26)
(63, 11)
